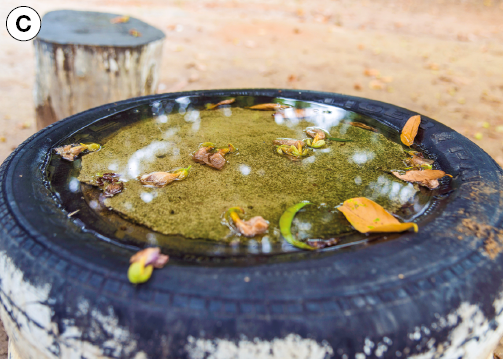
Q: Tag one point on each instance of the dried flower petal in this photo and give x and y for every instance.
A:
(161, 179)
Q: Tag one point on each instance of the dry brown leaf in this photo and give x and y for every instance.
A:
(426, 178)
(409, 131)
(268, 107)
(367, 216)
(361, 125)
(225, 102)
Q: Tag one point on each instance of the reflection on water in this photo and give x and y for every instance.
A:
(256, 178)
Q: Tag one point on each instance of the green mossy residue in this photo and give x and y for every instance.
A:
(255, 178)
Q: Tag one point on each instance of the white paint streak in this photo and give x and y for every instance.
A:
(29, 325)
(290, 347)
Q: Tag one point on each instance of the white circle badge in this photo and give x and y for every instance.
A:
(23, 23)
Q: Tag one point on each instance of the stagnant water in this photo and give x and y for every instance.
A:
(188, 214)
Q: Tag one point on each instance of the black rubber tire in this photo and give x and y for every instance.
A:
(395, 299)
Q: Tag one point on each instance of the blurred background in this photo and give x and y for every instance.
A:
(441, 58)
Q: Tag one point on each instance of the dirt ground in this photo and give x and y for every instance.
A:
(440, 58)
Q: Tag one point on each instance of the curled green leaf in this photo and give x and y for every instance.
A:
(285, 224)
(139, 273)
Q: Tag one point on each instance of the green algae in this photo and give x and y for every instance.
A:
(256, 177)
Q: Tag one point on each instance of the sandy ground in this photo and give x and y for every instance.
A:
(440, 58)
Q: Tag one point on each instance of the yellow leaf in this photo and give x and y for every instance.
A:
(427, 178)
(367, 216)
(409, 131)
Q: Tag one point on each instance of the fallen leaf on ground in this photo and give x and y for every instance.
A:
(361, 125)
(225, 102)
(426, 178)
(409, 131)
(371, 72)
(268, 107)
(367, 216)
(119, 19)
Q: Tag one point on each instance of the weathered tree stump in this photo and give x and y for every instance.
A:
(83, 60)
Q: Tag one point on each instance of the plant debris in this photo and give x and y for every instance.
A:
(318, 136)
(209, 155)
(250, 228)
(161, 179)
(112, 189)
(225, 102)
(361, 125)
(322, 243)
(119, 19)
(109, 183)
(70, 152)
(144, 262)
(367, 216)
(409, 131)
(134, 33)
(418, 161)
(293, 152)
(287, 142)
(427, 178)
(269, 107)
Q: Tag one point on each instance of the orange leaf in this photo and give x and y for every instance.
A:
(224, 102)
(409, 131)
(268, 107)
(367, 216)
(426, 178)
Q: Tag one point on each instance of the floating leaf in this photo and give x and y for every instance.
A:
(225, 102)
(409, 131)
(367, 216)
(285, 224)
(119, 19)
(361, 125)
(427, 178)
(269, 107)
